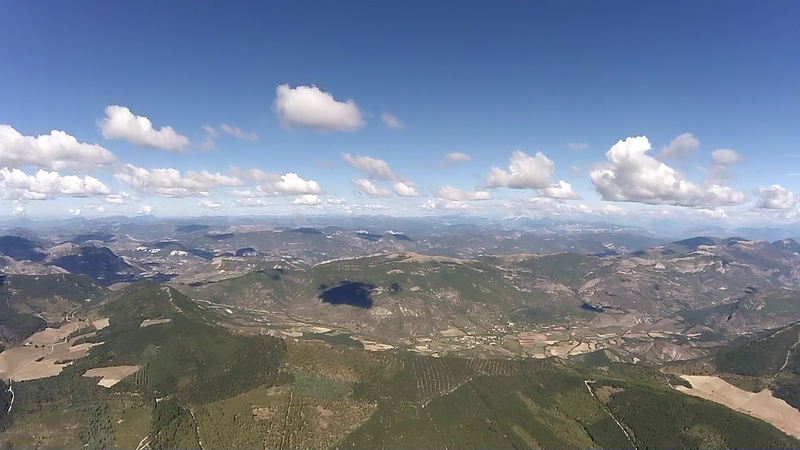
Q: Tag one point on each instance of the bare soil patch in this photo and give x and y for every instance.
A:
(604, 393)
(373, 346)
(265, 413)
(41, 369)
(38, 358)
(761, 405)
(99, 324)
(151, 322)
(111, 375)
(50, 336)
(323, 416)
(14, 359)
(453, 332)
(416, 257)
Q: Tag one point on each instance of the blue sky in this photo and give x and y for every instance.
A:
(483, 79)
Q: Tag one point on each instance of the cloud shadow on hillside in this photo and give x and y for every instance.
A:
(353, 293)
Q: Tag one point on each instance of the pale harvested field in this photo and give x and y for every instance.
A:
(78, 351)
(416, 257)
(453, 332)
(111, 375)
(762, 404)
(14, 359)
(100, 323)
(36, 370)
(27, 368)
(20, 363)
(50, 336)
(320, 330)
(66, 351)
(373, 346)
(150, 322)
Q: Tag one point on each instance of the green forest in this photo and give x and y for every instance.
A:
(199, 382)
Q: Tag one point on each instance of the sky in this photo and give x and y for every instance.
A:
(574, 109)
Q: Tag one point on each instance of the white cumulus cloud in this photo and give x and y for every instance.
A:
(432, 205)
(19, 211)
(370, 189)
(405, 189)
(611, 209)
(209, 204)
(726, 157)
(631, 175)
(170, 183)
(249, 193)
(457, 195)
(55, 151)
(121, 123)
(391, 121)
(716, 214)
(290, 184)
(562, 190)
(120, 198)
(775, 197)
(307, 200)
(680, 147)
(370, 207)
(376, 169)
(251, 203)
(552, 206)
(144, 209)
(309, 107)
(17, 185)
(255, 175)
(451, 159)
(524, 172)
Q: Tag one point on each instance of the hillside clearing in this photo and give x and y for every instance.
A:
(151, 322)
(40, 369)
(761, 405)
(99, 324)
(37, 359)
(111, 375)
(14, 359)
(50, 336)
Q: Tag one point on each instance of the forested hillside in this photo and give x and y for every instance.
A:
(186, 381)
